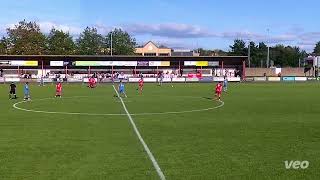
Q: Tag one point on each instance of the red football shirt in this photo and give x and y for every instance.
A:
(141, 82)
(59, 87)
(218, 87)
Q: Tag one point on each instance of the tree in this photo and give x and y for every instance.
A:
(204, 52)
(60, 43)
(122, 42)
(91, 42)
(284, 56)
(258, 53)
(3, 46)
(26, 39)
(219, 52)
(261, 55)
(316, 50)
(238, 48)
(253, 53)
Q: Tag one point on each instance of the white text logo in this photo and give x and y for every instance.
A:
(296, 164)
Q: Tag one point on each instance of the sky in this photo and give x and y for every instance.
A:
(183, 24)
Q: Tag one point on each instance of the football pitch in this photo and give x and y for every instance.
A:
(89, 134)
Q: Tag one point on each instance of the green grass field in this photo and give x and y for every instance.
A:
(259, 127)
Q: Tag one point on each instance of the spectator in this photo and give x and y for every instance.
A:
(1, 72)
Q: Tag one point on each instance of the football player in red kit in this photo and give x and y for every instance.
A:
(92, 82)
(218, 90)
(58, 89)
(141, 83)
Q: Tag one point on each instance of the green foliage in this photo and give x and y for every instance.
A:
(316, 50)
(122, 42)
(204, 52)
(281, 55)
(261, 55)
(208, 52)
(26, 39)
(238, 48)
(219, 52)
(3, 46)
(285, 56)
(91, 42)
(60, 42)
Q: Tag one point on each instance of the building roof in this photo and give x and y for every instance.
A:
(232, 60)
(159, 47)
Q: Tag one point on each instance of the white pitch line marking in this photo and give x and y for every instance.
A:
(146, 148)
(15, 106)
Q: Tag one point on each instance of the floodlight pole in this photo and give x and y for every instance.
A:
(222, 66)
(249, 54)
(315, 67)
(111, 42)
(268, 57)
(42, 69)
(243, 70)
(317, 70)
(268, 54)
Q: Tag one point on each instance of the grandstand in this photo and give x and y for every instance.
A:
(77, 68)
(105, 68)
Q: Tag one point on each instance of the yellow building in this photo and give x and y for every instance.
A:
(151, 49)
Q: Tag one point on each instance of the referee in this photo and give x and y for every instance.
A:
(12, 91)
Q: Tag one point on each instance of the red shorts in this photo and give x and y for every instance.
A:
(218, 92)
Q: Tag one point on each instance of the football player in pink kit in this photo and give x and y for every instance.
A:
(141, 83)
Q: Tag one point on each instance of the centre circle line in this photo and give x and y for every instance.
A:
(15, 106)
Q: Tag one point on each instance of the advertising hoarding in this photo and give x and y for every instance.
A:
(19, 63)
(56, 63)
(274, 79)
(288, 78)
(143, 63)
(159, 63)
(213, 63)
(106, 63)
(300, 78)
(196, 63)
(202, 63)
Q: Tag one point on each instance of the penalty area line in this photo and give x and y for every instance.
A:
(145, 146)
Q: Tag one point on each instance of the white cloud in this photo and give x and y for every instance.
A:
(246, 35)
(310, 36)
(178, 35)
(47, 26)
(169, 30)
(175, 43)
